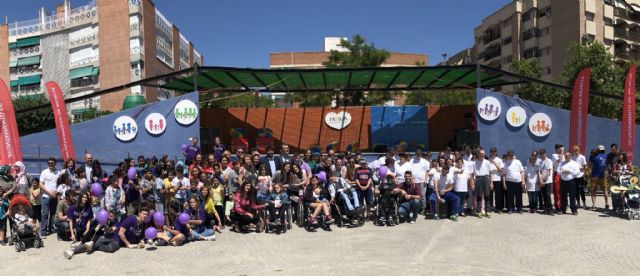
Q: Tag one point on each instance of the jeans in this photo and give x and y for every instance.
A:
(501, 195)
(62, 229)
(514, 196)
(106, 245)
(47, 213)
(356, 200)
(545, 191)
(208, 232)
(533, 200)
(367, 195)
(448, 196)
(462, 196)
(568, 189)
(580, 186)
(412, 206)
(243, 220)
(280, 211)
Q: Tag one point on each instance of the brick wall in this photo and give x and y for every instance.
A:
(115, 67)
(4, 53)
(152, 65)
(317, 58)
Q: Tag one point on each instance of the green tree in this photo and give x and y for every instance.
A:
(92, 113)
(537, 92)
(359, 54)
(35, 121)
(606, 76)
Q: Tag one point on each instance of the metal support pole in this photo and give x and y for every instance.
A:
(196, 70)
(478, 76)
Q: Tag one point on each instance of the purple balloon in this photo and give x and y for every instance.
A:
(184, 147)
(382, 172)
(96, 189)
(151, 233)
(184, 218)
(322, 176)
(102, 217)
(131, 173)
(158, 219)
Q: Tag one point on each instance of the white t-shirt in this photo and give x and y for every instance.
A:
(419, 168)
(572, 169)
(496, 163)
(555, 158)
(582, 163)
(482, 167)
(531, 177)
(461, 179)
(50, 179)
(512, 170)
(177, 183)
(444, 180)
(400, 170)
(434, 174)
(546, 168)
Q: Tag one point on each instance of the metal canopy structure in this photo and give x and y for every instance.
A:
(342, 79)
(229, 79)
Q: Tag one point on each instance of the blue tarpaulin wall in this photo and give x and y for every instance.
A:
(501, 135)
(96, 137)
(406, 126)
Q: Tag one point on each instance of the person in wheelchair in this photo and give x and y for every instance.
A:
(277, 202)
(316, 198)
(339, 186)
(411, 199)
(386, 193)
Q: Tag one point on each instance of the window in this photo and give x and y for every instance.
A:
(531, 52)
(545, 12)
(608, 2)
(589, 16)
(546, 70)
(530, 33)
(545, 31)
(528, 15)
(608, 21)
(545, 51)
(506, 41)
(508, 59)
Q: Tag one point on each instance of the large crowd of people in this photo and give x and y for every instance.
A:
(158, 201)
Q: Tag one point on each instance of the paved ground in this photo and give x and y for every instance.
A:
(588, 244)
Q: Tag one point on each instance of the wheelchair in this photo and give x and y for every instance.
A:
(320, 220)
(386, 206)
(279, 228)
(344, 217)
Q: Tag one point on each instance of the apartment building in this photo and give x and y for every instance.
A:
(544, 29)
(99, 45)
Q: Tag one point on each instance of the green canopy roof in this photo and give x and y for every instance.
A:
(35, 79)
(14, 83)
(29, 41)
(329, 79)
(83, 72)
(13, 63)
(28, 61)
(13, 45)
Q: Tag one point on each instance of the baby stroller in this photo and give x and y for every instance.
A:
(22, 232)
(625, 197)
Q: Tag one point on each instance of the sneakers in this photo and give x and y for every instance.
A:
(477, 215)
(74, 244)
(436, 217)
(68, 254)
(330, 219)
(593, 208)
(454, 217)
(313, 220)
(412, 221)
(88, 245)
(210, 238)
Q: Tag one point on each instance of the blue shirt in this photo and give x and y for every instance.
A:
(598, 164)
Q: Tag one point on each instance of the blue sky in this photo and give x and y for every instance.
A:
(242, 33)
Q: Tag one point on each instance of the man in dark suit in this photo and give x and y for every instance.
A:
(271, 162)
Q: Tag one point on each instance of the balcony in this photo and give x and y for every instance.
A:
(83, 40)
(28, 51)
(25, 70)
(492, 53)
(622, 13)
(491, 36)
(137, 54)
(134, 6)
(134, 30)
(620, 32)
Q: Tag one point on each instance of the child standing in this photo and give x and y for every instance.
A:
(217, 194)
(34, 199)
(532, 176)
(4, 208)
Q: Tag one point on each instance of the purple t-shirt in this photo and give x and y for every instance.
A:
(80, 216)
(131, 194)
(133, 231)
(198, 215)
(217, 151)
(192, 151)
(112, 235)
(182, 228)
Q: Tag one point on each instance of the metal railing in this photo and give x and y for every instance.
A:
(54, 22)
